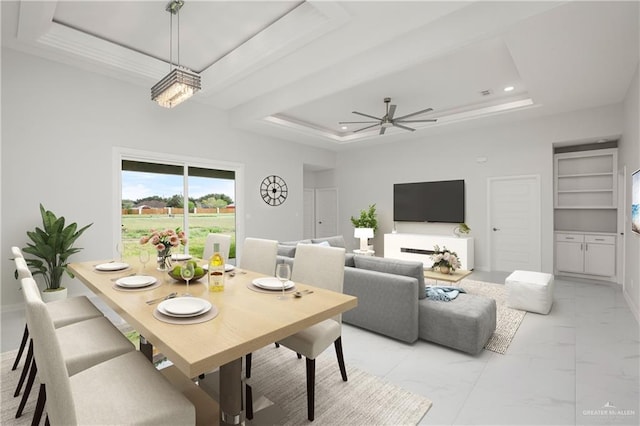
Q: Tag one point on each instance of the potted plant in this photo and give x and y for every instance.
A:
(366, 225)
(52, 245)
(462, 228)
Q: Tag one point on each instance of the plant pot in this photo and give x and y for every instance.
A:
(51, 295)
(444, 269)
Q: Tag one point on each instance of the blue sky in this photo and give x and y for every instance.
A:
(137, 185)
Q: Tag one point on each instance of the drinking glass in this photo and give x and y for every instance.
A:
(283, 273)
(186, 272)
(119, 250)
(144, 258)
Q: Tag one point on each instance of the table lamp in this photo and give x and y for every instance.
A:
(364, 234)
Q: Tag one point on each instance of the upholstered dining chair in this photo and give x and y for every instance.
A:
(83, 344)
(225, 245)
(63, 312)
(125, 389)
(321, 267)
(259, 255)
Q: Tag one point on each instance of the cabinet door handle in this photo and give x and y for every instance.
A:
(586, 247)
(599, 239)
(581, 246)
(569, 238)
(496, 229)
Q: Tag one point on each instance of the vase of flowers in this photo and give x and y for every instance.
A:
(164, 241)
(445, 260)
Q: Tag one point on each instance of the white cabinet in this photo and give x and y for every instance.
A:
(590, 254)
(420, 246)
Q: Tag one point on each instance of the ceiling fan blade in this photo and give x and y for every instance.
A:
(392, 110)
(365, 128)
(415, 113)
(356, 122)
(382, 130)
(429, 120)
(404, 127)
(366, 115)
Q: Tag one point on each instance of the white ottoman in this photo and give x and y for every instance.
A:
(530, 291)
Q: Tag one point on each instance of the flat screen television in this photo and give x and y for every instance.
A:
(441, 201)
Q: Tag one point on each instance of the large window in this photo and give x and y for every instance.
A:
(159, 196)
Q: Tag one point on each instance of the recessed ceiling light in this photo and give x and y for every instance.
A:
(344, 127)
(509, 88)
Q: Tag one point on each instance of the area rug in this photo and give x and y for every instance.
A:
(507, 319)
(279, 374)
(362, 400)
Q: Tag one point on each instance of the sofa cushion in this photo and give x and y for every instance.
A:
(295, 243)
(394, 266)
(286, 250)
(337, 241)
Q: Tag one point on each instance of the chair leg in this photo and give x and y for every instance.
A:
(27, 390)
(343, 370)
(299, 356)
(46, 421)
(25, 369)
(23, 344)
(277, 345)
(311, 388)
(247, 365)
(248, 402)
(42, 398)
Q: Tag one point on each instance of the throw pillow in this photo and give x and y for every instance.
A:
(287, 251)
(337, 241)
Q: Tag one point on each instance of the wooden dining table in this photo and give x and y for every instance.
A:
(247, 320)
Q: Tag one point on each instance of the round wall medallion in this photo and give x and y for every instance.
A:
(273, 190)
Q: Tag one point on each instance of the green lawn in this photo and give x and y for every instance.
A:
(136, 226)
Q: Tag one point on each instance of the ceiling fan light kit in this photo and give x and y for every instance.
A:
(388, 121)
(181, 83)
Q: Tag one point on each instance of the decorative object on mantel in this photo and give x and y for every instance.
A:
(164, 241)
(461, 229)
(181, 83)
(53, 245)
(445, 260)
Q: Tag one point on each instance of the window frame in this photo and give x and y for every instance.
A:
(120, 154)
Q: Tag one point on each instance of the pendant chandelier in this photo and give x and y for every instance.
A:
(181, 83)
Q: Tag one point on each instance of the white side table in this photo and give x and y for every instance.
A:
(364, 252)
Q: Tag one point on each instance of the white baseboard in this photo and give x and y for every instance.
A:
(632, 307)
(12, 308)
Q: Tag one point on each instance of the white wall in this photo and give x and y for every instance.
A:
(59, 127)
(629, 155)
(523, 148)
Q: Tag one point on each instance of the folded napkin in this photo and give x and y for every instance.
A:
(443, 293)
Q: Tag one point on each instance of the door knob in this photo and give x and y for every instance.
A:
(320, 222)
(496, 229)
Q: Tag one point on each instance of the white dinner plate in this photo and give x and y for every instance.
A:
(112, 266)
(136, 281)
(184, 307)
(179, 256)
(271, 283)
(227, 267)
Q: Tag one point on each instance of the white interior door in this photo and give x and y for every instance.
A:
(514, 223)
(308, 213)
(326, 208)
(622, 222)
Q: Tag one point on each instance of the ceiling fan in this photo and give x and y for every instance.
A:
(388, 121)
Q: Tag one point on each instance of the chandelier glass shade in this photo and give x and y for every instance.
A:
(181, 83)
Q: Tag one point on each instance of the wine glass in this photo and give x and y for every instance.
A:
(283, 273)
(144, 258)
(119, 250)
(187, 272)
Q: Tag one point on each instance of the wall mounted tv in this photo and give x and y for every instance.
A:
(441, 201)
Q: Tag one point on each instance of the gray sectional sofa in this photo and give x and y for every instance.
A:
(392, 301)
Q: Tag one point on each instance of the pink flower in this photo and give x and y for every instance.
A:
(160, 247)
(181, 234)
(174, 240)
(144, 240)
(155, 240)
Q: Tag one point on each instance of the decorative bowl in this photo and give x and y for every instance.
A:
(176, 275)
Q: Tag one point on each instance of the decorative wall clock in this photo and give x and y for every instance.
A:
(273, 190)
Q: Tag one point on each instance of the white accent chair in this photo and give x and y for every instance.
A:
(126, 389)
(321, 267)
(83, 343)
(225, 245)
(259, 255)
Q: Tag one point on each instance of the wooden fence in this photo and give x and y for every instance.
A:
(175, 210)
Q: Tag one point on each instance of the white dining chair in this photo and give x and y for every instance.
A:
(259, 255)
(16, 252)
(63, 312)
(225, 245)
(126, 389)
(321, 267)
(83, 344)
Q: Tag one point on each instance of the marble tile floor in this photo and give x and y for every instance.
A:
(579, 365)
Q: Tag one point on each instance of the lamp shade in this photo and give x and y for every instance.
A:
(363, 232)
